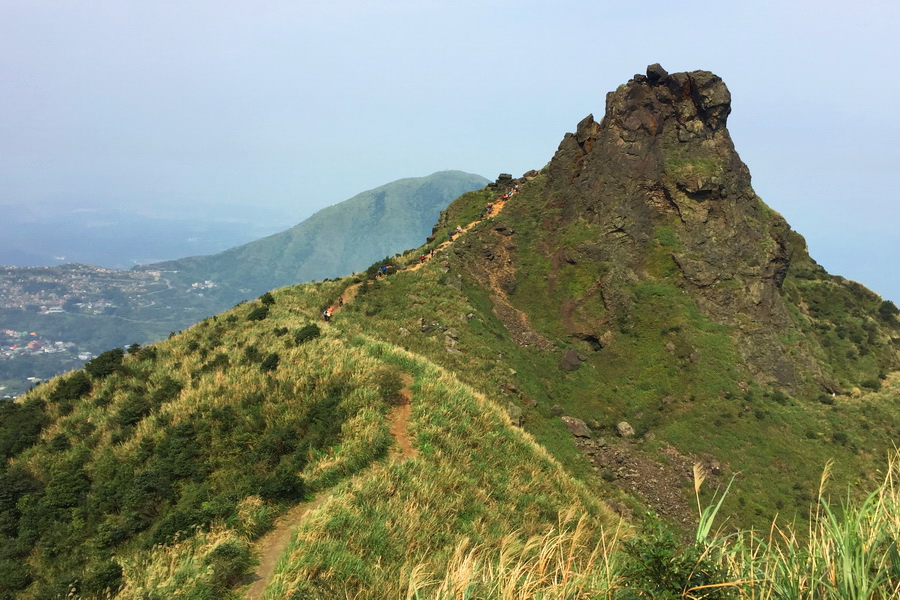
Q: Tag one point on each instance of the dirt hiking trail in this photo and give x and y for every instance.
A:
(497, 207)
(271, 546)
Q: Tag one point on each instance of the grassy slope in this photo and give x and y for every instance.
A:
(475, 477)
(704, 404)
(120, 476)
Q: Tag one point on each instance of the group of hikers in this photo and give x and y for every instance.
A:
(489, 208)
(329, 312)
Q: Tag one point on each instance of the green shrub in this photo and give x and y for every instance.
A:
(105, 364)
(390, 385)
(252, 354)
(870, 384)
(147, 353)
(105, 578)
(168, 389)
(20, 426)
(306, 333)
(259, 313)
(229, 561)
(888, 310)
(75, 386)
(269, 363)
(267, 299)
(13, 576)
(284, 484)
(658, 567)
(132, 409)
(60, 443)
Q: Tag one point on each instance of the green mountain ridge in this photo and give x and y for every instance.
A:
(543, 384)
(333, 242)
(144, 304)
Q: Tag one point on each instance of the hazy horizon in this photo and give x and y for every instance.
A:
(271, 112)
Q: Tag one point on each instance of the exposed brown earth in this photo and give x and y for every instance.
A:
(271, 546)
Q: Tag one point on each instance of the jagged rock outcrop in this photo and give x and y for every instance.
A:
(660, 178)
(649, 215)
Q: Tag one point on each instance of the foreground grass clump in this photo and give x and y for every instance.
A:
(849, 552)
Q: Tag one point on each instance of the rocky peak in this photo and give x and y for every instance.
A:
(696, 103)
(659, 178)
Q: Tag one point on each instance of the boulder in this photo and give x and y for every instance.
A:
(624, 429)
(502, 229)
(656, 74)
(570, 361)
(578, 427)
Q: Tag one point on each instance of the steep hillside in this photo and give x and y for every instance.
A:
(155, 471)
(333, 242)
(93, 308)
(615, 337)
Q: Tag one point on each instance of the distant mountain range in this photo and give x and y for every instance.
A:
(335, 241)
(76, 310)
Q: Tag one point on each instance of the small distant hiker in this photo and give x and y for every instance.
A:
(432, 253)
(458, 230)
(422, 258)
(327, 314)
(340, 300)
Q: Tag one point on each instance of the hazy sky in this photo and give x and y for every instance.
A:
(271, 110)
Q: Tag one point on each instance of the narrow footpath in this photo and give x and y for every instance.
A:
(271, 546)
(497, 206)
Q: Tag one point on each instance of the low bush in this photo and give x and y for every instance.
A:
(259, 313)
(105, 364)
(306, 333)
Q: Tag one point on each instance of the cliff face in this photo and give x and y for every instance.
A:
(649, 215)
(661, 181)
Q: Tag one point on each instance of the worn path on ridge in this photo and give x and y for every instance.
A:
(271, 546)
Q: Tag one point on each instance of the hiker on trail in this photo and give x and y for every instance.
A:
(516, 189)
(432, 253)
(422, 258)
(458, 230)
(327, 314)
(340, 300)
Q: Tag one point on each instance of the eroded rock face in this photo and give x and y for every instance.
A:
(660, 179)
